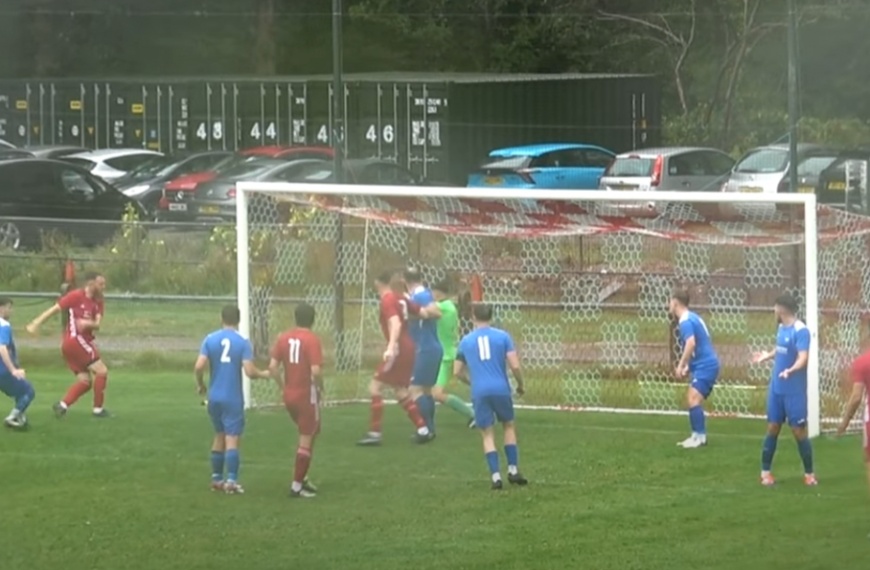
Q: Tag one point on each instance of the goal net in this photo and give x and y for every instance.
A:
(581, 279)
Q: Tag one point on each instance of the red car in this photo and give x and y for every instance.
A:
(173, 205)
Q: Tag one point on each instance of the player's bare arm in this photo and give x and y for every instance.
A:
(762, 357)
(688, 351)
(10, 366)
(513, 360)
(33, 326)
(198, 373)
(275, 373)
(430, 311)
(317, 376)
(802, 358)
(395, 327)
(855, 400)
(460, 371)
(253, 372)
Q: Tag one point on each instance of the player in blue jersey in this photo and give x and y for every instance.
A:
(226, 353)
(482, 361)
(428, 351)
(12, 378)
(698, 361)
(787, 394)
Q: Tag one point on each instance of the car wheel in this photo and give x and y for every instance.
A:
(11, 235)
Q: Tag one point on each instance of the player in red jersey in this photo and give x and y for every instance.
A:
(84, 308)
(860, 389)
(299, 354)
(397, 367)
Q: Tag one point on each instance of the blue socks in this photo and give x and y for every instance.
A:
(492, 462)
(512, 455)
(217, 465)
(22, 402)
(696, 420)
(426, 405)
(767, 451)
(232, 459)
(805, 448)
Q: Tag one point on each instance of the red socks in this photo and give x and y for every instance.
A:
(303, 461)
(100, 390)
(377, 414)
(76, 391)
(410, 408)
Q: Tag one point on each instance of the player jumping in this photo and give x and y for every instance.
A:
(428, 354)
(482, 360)
(13, 382)
(699, 360)
(397, 366)
(226, 353)
(860, 391)
(448, 335)
(299, 354)
(787, 395)
(85, 309)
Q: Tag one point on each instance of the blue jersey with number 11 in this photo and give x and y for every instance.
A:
(226, 350)
(484, 352)
(704, 359)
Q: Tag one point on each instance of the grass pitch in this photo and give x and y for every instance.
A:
(606, 492)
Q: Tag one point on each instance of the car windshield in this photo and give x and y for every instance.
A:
(316, 172)
(247, 169)
(763, 161)
(628, 166)
(814, 165)
(83, 162)
(151, 167)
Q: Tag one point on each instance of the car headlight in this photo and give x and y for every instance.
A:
(136, 191)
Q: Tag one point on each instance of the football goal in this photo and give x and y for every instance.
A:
(581, 279)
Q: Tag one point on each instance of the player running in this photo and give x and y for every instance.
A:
(860, 391)
(13, 382)
(299, 354)
(428, 353)
(226, 353)
(482, 360)
(699, 360)
(84, 309)
(787, 395)
(448, 336)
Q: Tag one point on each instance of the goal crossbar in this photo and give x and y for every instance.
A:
(302, 193)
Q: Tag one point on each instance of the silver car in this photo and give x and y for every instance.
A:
(674, 168)
(764, 170)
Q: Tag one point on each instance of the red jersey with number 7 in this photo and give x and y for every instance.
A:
(79, 306)
(394, 305)
(298, 351)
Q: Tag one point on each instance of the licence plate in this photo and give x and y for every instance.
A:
(752, 189)
(840, 186)
(493, 180)
(177, 207)
(209, 210)
(624, 187)
(806, 189)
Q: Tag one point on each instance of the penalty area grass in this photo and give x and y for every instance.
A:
(606, 492)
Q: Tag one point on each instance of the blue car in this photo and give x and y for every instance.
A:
(560, 166)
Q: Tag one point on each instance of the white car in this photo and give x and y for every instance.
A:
(111, 163)
(764, 170)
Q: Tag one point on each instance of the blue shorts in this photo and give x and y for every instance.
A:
(787, 407)
(489, 409)
(227, 418)
(14, 387)
(427, 365)
(704, 381)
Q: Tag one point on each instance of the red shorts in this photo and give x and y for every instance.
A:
(398, 371)
(79, 354)
(305, 412)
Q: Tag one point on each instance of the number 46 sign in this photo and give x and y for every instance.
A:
(388, 134)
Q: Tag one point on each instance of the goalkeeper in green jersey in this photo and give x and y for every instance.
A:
(448, 335)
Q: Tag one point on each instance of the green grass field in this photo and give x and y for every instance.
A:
(606, 492)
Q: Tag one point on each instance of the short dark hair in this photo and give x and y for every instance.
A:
(5, 301)
(413, 275)
(681, 296)
(482, 312)
(787, 302)
(91, 275)
(304, 315)
(385, 277)
(231, 315)
(443, 286)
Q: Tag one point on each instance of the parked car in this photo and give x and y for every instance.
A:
(39, 195)
(765, 169)
(6, 144)
(13, 153)
(54, 151)
(373, 171)
(177, 192)
(145, 183)
(695, 169)
(111, 164)
(561, 166)
(835, 189)
(216, 200)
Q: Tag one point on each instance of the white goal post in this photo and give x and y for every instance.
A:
(581, 278)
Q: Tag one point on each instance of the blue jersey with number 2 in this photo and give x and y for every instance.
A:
(704, 364)
(790, 341)
(484, 351)
(226, 350)
(425, 331)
